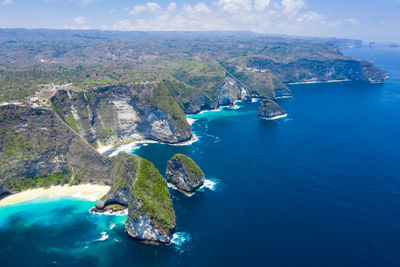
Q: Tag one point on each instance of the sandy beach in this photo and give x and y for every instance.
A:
(84, 191)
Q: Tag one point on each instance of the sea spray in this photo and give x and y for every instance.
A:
(210, 183)
(180, 239)
(110, 212)
(130, 148)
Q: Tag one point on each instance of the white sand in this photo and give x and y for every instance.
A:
(102, 149)
(84, 191)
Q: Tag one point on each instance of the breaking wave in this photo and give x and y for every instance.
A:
(103, 237)
(179, 239)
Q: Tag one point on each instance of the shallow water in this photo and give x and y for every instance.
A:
(320, 187)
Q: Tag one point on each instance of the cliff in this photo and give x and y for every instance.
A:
(306, 70)
(184, 174)
(151, 217)
(119, 114)
(268, 109)
(38, 149)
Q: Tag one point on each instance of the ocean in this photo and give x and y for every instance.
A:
(320, 187)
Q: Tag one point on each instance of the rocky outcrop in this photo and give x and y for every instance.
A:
(268, 109)
(184, 174)
(140, 187)
(151, 217)
(119, 114)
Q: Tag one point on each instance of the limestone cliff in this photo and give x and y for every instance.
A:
(119, 114)
(184, 173)
(268, 109)
(308, 70)
(151, 216)
(140, 187)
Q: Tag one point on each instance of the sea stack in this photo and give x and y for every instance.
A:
(269, 110)
(184, 174)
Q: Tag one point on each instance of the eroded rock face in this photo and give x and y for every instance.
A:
(143, 229)
(268, 109)
(119, 114)
(120, 197)
(184, 174)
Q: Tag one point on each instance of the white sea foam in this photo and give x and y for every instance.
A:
(254, 99)
(103, 237)
(190, 120)
(192, 140)
(130, 147)
(109, 212)
(210, 183)
(283, 97)
(92, 197)
(329, 81)
(276, 117)
(180, 238)
(112, 226)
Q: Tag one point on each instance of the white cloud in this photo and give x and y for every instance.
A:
(292, 7)
(112, 10)
(149, 7)
(171, 7)
(261, 4)
(6, 2)
(84, 2)
(267, 16)
(80, 20)
(77, 23)
(352, 21)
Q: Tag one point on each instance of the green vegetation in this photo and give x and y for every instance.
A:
(15, 146)
(70, 120)
(45, 181)
(77, 179)
(154, 196)
(107, 132)
(86, 61)
(163, 100)
(115, 207)
(208, 77)
(191, 168)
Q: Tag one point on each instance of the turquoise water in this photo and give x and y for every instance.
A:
(320, 187)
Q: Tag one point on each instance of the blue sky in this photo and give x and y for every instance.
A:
(377, 20)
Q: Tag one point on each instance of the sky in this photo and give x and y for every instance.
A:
(369, 20)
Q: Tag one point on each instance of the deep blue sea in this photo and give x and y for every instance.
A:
(318, 188)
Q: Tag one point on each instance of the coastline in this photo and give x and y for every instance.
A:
(312, 82)
(112, 150)
(84, 191)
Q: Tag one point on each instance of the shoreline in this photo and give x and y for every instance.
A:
(316, 82)
(88, 192)
(112, 150)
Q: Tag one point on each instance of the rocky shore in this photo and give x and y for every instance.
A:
(268, 109)
(184, 174)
